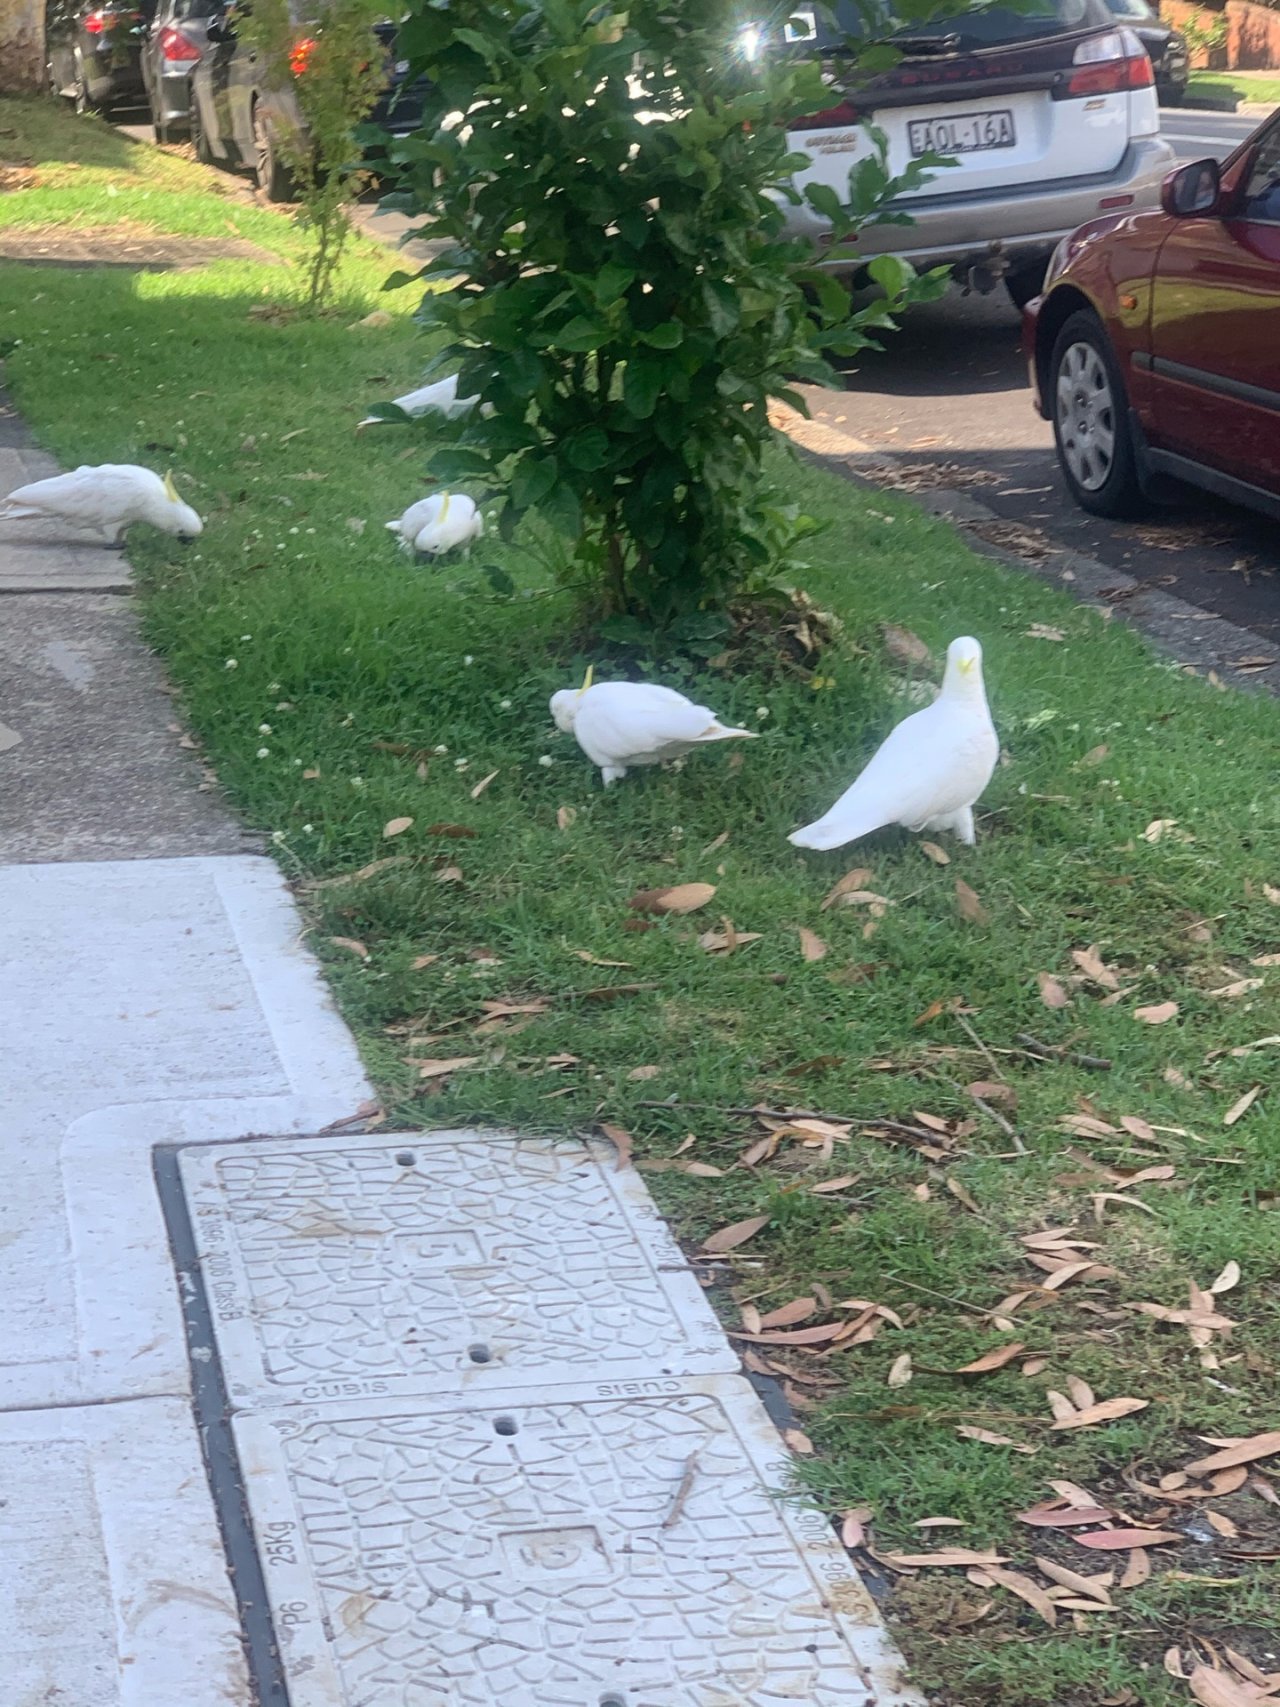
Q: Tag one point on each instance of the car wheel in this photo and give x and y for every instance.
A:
(1025, 282)
(1091, 420)
(270, 173)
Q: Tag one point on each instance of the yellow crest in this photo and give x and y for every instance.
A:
(170, 490)
(444, 510)
(586, 680)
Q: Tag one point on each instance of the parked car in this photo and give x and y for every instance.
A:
(1155, 349)
(93, 52)
(1049, 114)
(237, 121)
(169, 55)
(1166, 48)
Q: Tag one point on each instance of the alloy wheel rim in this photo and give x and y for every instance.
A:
(1086, 416)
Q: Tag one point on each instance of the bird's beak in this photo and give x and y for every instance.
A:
(586, 680)
(170, 490)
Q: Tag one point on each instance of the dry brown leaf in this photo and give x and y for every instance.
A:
(395, 827)
(1172, 1663)
(1223, 1524)
(449, 874)
(1107, 1411)
(1244, 1452)
(1081, 1393)
(1034, 1366)
(1239, 987)
(962, 1195)
(1121, 1540)
(737, 1233)
(566, 817)
(900, 1371)
(903, 646)
(1230, 1277)
(1219, 1689)
(1241, 1106)
(310, 775)
(852, 880)
(622, 1142)
(682, 898)
(1044, 631)
(718, 842)
(1025, 1589)
(967, 1432)
(786, 1315)
(970, 906)
(441, 1069)
(1245, 1666)
(1062, 1514)
(1158, 1014)
(1059, 1404)
(352, 944)
(450, 832)
(798, 1441)
(1092, 965)
(1265, 960)
(827, 1186)
(945, 1556)
(938, 855)
(1138, 1569)
(812, 946)
(991, 1360)
(853, 1526)
(1093, 1588)
(595, 960)
(1138, 1128)
(480, 787)
(640, 1074)
(421, 960)
(1272, 894)
(1067, 1271)
(1179, 1080)
(1098, 1198)
(1052, 994)
(939, 1523)
(1095, 755)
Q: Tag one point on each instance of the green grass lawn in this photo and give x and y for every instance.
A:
(336, 687)
(1240, 85)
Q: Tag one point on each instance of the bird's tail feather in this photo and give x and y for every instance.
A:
(718, 732)
(16, 512)
(833, 832)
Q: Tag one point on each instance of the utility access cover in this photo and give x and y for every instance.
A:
(609, 1546)
(488, 1450)
(438, 1261)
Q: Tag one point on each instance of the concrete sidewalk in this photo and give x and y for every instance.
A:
(303, 1418)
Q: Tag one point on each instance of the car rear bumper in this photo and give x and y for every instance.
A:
(173, 93)
(1023, 226)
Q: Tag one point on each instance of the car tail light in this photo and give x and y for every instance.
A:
(175, 46)
(96, 22)
(1110, 64)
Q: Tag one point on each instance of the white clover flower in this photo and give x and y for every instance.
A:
(273, 687)
(762, 711)
(357, 782)
(264, 728)
(461, 764)
(440, 752)
(232, 664)
(246, 637)
(546, 761)
(264, 752)
(468, 660)
(308, 829)
(277, 836)
(504, 705)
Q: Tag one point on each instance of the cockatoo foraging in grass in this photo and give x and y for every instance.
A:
(621, 724)
(929, 771)
(441, 398)
(107, 499)
(436, 524)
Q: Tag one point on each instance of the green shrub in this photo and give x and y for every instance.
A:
(619, 285)
(336, 69)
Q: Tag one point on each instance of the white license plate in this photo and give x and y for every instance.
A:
(968, 133)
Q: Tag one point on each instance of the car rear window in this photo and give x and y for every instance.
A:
(969, 32)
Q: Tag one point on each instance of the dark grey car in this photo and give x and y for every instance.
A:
(92, 51)
(170, 54)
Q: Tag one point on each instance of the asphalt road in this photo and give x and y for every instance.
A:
(947, 402)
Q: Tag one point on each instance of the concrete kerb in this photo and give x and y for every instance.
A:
(1198, 642)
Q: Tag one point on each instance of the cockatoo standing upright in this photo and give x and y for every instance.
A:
(929, 770)
(436, 524)
(621, 724)
(107, 500)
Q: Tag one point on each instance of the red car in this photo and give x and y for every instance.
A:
(1155, 346)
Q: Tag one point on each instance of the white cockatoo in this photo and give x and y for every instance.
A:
(440, 398)
(436, 524)
(107, 499)
(621, 724)
(929, 770)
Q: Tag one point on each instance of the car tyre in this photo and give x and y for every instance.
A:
(1090, 413)
(1023, 283)
(199, 140)
(269, 172)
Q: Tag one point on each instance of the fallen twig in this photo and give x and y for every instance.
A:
(1052, 1052)
(683, 1491)
(964, 1025)
(864, 1122)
